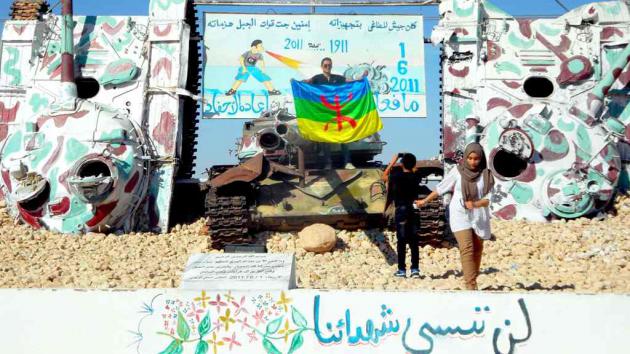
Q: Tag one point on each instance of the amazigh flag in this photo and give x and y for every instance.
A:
(335, 113)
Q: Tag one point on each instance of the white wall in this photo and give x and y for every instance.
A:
(94, 321)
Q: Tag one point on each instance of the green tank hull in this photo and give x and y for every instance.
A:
(342, 198)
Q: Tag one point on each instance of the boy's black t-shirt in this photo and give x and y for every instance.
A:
(404, 187)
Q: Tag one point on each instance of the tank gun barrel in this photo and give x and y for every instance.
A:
(68, 86)
(269, 139)
(284, 133)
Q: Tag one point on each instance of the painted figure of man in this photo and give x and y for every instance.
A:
(249, 61)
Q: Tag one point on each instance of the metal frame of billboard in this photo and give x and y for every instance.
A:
(306, 3)
(203, 53)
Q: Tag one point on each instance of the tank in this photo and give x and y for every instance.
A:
(96, 121)
(283, 182)
(547, 99)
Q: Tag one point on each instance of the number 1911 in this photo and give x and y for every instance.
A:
(339, 46)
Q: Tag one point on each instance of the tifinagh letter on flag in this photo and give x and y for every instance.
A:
(335, 113)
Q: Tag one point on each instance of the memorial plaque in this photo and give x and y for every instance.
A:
(240, 271)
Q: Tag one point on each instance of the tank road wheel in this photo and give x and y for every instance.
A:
(228, 219)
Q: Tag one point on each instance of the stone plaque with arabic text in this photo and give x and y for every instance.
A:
(240, 271)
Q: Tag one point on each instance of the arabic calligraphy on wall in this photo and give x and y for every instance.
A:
(249, 60)
(289, 322)
(150, 321)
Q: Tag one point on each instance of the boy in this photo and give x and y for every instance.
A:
(248, 61)
(403, 189)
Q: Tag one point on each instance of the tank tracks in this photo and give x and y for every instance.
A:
(432, 227)
(432, 222)
(228, 219)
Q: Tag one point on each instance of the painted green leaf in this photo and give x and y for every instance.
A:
(204, 325)
(297, 317)
(274, 325)
(183, 330)
(202, 347)
(270, 348)
(179, 349)
(296, 343)
(174, 348)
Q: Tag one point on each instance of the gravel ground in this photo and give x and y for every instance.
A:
(579, 255)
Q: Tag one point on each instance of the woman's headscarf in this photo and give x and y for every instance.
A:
(470, 176)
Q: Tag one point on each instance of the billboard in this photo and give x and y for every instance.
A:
(250, 60)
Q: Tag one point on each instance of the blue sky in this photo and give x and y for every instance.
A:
(217, 138)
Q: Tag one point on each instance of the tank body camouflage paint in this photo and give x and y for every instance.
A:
(547, 99)
(107, 163)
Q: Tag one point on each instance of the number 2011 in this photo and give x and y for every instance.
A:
(404, 85)
(293, 43)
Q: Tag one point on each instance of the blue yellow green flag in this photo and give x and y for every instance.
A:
(335, 113)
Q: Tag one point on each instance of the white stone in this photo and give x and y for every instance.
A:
(318, 238)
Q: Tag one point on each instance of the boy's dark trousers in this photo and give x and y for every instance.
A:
(406, 235)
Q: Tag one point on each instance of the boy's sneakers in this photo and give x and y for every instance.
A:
(274, 93)
(415, 273)
(230, 92)
(400, 274)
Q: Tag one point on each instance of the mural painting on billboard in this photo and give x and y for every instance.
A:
(250, 60)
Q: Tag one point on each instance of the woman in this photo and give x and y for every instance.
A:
(471, 183)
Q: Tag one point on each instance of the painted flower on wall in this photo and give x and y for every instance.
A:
(220, 323)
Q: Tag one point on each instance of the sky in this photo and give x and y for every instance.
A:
(420, 136)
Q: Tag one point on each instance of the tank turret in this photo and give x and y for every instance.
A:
(56, 179)
(276, 136)
(546, 97)
(92, 128)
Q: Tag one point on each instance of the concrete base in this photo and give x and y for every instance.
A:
(309, 321)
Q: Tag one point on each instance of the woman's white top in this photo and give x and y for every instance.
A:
(461, 218)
